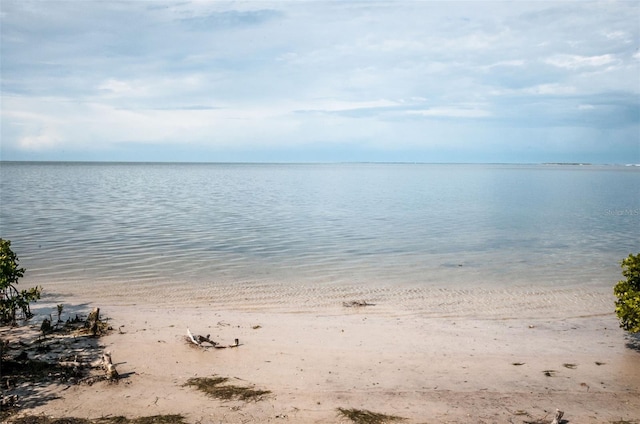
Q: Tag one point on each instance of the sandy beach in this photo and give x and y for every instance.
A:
(431, 355)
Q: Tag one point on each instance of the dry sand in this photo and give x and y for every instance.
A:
(428, 355)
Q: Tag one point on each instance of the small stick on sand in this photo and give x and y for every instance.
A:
(357, 303)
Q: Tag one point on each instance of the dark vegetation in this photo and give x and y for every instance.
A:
(628, 294)
(63, 353)
(12, 299)
(218, 388)
(362, 416)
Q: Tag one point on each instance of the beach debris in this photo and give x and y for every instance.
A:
(558, 417)
(93, 324)
(218, 388)
(46, 327)
(8, 401)
(363, 416)
(598, 363)
(59, 308)
(193, 339)
(549, 373)
(357, 303)
(110, 369)
(517, 364)
(200, 340)
(93, 321)
(236, 343)
(570, 366)
(206, 339)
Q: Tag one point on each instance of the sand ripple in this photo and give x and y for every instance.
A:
(477, 302)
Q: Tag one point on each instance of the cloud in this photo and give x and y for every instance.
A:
(370, 76)
(576, 61)
(230, 19)
(452, 112)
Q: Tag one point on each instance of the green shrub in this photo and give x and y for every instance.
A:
(12, 299)
(628, 294)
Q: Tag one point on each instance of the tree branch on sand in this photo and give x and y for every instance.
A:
(201, 340)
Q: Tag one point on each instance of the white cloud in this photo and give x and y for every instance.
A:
(577, 61)
(619, 35)
(335, 105)
(451, 112)
(553, 89)
(46, 139)
(507, 63)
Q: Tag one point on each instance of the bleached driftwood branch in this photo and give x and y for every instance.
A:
(193, 340)
(199, 340)
(558, 418)
(110, 369)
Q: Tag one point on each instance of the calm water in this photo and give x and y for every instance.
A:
(443, 225)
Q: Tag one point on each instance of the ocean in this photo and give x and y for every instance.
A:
(321, 225)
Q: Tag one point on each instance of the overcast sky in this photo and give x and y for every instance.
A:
(321, 81)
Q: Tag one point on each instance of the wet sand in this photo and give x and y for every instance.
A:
(464, 355)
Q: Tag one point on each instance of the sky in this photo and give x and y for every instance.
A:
(320, 81)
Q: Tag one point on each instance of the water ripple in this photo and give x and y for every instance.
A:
(424, 226)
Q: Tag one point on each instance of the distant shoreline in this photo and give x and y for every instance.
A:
(107, 162)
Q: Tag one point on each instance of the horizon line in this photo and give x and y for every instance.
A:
(314, 163)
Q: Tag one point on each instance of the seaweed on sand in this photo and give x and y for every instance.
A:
(216, 387)
(362, 416)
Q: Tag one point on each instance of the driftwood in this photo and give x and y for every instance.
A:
(236, 343)
(199, 340)
(357, 303)
(193, 339)
(93, 321)
(203, 339)
(558, 418)
(109, 368)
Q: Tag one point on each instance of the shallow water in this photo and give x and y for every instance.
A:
(305, 227)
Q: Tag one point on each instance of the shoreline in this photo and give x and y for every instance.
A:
(390, 358)
(497, 301)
